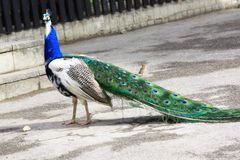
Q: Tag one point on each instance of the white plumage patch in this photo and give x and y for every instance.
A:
(77, 78)
(48, 28)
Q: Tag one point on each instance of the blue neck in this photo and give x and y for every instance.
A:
(51, 50)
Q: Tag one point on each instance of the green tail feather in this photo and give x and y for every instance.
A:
(132, 86)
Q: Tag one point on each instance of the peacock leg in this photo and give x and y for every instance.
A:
(88, 115)
(142, 69)
(73, 120)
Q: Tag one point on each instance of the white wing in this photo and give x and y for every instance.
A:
(78, 79)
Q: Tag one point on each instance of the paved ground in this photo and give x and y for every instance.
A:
(197, 57)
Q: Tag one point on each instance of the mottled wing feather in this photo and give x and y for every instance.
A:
(81, 74)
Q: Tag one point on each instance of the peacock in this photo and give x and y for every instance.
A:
(89, 79)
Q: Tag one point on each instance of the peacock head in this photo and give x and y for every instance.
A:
(48, 22)
(46, 16)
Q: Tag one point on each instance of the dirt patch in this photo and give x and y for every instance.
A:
(226, 152)
(98, 51)
(200, 43)
(228, 95)
(17, 144)
(226, 26)
(39, 112)
(183, 69)
(121, 143)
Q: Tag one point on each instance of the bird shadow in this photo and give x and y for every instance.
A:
(96, 122)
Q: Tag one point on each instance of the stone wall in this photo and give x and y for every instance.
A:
(126, 21)
(21, 69)
(21, 53)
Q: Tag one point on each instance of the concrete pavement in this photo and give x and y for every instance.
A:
(197, 57)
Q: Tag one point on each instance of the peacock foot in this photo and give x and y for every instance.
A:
(85, 122)
(80, 122)
(69, 122)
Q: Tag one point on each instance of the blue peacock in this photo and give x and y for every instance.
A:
(89, 79)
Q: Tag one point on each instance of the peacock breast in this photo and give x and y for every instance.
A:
(56, 81)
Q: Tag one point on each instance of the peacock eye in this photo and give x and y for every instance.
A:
(123, 83)
(167, 102)
(134, 76)
(174, 94)
(155, 91)
(148, 83)
(184, 102)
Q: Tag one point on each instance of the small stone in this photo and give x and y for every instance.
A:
(26, 128)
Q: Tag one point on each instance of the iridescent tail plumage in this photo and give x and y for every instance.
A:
(132, 86)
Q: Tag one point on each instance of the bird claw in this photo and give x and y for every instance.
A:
(86, 122)
(69, 122)
(82, 123)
